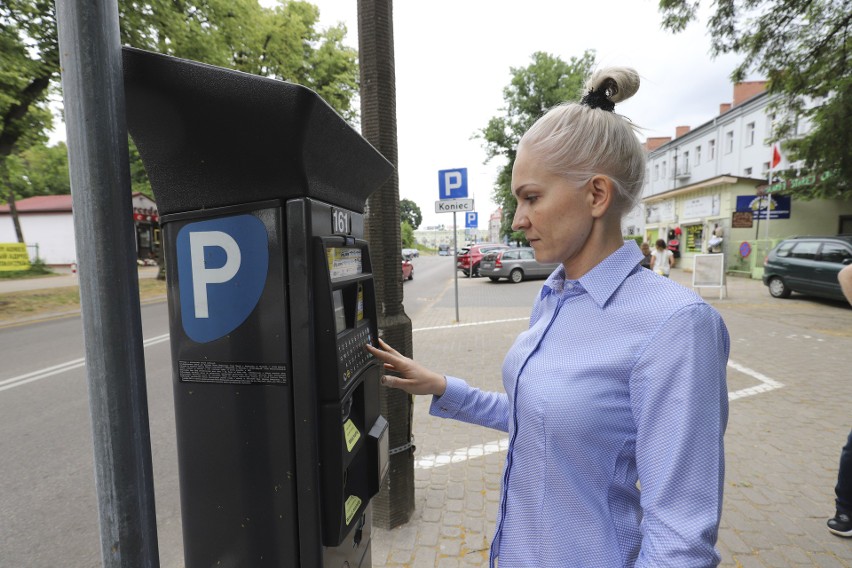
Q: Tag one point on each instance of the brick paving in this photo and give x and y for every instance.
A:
(790, 417)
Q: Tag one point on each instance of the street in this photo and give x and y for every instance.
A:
(788, 381)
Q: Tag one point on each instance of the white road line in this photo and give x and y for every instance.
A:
(62, 367)
(766, 385)
(455, 325)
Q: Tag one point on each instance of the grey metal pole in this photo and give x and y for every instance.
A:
(93, 91)
(455, 270)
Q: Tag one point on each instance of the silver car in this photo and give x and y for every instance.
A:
(516, 264)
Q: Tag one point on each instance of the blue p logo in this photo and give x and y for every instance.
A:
(222, 267)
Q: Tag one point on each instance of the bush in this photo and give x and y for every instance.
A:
(37, 268)
(638, 238)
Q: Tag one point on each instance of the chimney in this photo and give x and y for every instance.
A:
(746, 90)
(681, 130)
(724, 107)
(652, 144)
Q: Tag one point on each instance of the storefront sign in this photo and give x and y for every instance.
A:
(701, 207)
(799, 182)
(659, 212)
(742, 220)
(14, 257)
(779, 206)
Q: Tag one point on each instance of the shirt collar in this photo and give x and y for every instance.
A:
(603, 280)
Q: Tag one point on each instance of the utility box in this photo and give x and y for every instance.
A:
(261, 189)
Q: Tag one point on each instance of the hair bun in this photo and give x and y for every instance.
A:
(620, 83)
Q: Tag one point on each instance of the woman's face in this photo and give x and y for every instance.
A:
(554, 214)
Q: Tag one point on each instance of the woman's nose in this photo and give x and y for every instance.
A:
(519, 221)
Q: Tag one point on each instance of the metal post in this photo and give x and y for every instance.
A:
(455, 270)
(109, 289)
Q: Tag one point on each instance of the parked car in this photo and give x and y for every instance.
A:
(443, 250)
(472, 256)
(410, 252)
(407, 268)
(808, 265)
(516, 264)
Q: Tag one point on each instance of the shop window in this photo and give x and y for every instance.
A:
(694, 237)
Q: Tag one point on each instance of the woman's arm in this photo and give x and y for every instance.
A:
(679, 401)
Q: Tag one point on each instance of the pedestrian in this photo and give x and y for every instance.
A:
(662, 259)
(646, 254)
(841, 523)
(615, 455)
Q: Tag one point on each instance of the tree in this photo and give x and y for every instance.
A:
(803, 48)
(406, 233)
(279, 42)
(39, 170)
(410, 212)
(532, 91)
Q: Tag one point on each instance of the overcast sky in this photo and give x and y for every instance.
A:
(453, 59)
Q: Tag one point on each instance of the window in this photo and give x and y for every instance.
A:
(747, 172)
(770, 125)
(729, 142)
(711, 150)
(765, 168)
(527, 254)
(835, 252)
(784, 248)
(697, 155)
(684, 167)
(664, 168)
(656, 172)
(749, 134)
(805, 250)
(510, 255)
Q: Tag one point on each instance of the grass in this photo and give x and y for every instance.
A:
(37, 270)
(33, 303)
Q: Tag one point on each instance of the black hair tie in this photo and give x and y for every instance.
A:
(596, 98)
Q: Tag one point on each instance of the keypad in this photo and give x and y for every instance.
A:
(351, 354)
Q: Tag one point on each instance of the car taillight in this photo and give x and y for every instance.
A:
(498, 263)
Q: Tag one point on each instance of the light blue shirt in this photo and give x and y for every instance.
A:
(619, 381)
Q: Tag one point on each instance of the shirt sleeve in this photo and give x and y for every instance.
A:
(468, 404)
(679, 400)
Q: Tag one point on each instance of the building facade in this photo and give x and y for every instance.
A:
(714, 180)
(47, 225)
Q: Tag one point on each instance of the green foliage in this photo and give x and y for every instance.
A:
(406, 232)
(409, 212)
(637, 238)
(281, 42)
(803, 48)
(532, 91)
(39, 170)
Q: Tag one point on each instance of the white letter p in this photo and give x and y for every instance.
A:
(202, 276)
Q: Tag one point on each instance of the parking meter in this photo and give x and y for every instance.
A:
(261, 189)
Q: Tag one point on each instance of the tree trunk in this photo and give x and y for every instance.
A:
(395, 502)
(13, 209)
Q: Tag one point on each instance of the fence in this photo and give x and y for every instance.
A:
(752, 264)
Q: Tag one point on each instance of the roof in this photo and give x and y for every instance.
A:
(41, 204)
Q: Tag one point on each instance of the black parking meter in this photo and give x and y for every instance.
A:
(261, 188)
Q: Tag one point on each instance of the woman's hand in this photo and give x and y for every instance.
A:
(413, 378)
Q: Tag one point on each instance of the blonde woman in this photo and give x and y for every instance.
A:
(593, 408)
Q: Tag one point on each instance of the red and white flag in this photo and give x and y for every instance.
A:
(776, 156)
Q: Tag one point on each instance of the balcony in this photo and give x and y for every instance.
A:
(682, 173)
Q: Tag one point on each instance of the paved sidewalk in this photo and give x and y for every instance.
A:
(789, 417)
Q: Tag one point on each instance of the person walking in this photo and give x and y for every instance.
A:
(662, 259)
(646, 256)
(841, 523)
(616, 452)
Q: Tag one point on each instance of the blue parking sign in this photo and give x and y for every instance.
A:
(452, 184)
(470, 220)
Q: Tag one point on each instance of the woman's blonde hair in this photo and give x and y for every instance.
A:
(577, 141)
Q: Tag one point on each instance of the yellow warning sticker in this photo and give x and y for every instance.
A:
(352, 505)
(351, 433)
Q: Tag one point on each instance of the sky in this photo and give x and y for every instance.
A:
(454, 58)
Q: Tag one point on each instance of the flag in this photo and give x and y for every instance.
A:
(776, 156)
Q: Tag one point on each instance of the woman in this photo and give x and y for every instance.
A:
(597, 403)
(662, 259)
(646, 256)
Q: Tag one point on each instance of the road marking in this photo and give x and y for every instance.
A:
(766, 386)
(62, 367)
(455, 325)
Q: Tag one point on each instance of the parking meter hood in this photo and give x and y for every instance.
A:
(212, 137)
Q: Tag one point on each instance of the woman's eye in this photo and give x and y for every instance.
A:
(531, 198)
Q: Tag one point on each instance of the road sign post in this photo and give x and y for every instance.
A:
(452, 198)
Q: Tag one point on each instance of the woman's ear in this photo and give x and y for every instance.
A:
(601, 195)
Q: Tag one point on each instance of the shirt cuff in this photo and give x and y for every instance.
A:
(448, 404)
